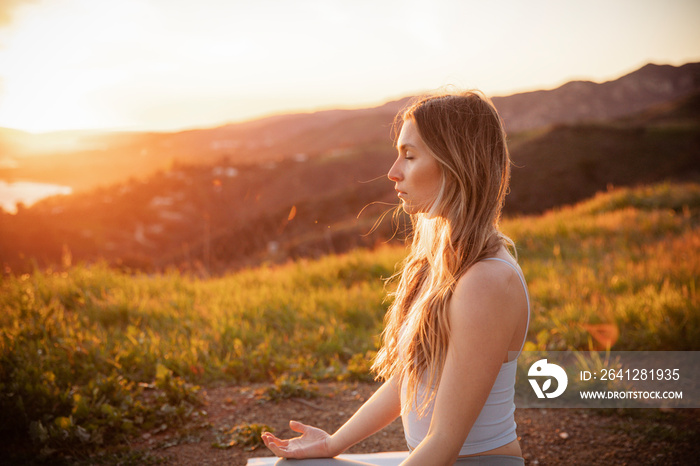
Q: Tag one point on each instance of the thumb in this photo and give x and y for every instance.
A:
(297, 426)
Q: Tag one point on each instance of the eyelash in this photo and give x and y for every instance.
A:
(405, 155)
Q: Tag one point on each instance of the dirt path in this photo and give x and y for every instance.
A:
(547, 437)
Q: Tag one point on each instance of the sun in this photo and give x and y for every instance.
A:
(35, 100)
(55, 60)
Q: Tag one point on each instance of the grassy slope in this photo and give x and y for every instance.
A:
(628, 258)
(89, 355)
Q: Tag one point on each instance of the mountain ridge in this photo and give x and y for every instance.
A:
(212, 218)
(113, 157)
(578, 101)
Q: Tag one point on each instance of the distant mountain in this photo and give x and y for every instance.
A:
(278, 137)
(222, 216)
(580, 101)
(91, 159)
(293, 185)
(564, 164)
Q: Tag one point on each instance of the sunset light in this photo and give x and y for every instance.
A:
(218, 217)
(74, 64)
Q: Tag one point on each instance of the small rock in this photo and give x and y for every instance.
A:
(563, 435)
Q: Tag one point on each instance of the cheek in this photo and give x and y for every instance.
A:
(431, 179)
(427, 183)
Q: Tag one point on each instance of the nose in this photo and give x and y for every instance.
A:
(395, 172)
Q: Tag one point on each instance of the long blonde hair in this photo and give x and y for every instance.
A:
(466, 135)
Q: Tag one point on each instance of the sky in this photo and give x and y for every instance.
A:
(178, 64)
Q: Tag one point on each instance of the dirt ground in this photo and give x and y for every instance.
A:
(547, 436)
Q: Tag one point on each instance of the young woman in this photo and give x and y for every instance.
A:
(460, 312)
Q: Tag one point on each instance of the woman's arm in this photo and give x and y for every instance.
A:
(484, 313)
(380, 410)
(383, 407)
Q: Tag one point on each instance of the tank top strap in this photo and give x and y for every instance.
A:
(527, 294)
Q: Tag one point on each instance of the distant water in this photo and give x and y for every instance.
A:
(27, 192)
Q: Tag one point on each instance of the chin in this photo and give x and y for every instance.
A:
(415, 210)
(410, 210)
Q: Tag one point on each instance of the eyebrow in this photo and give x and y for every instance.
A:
(405, 146)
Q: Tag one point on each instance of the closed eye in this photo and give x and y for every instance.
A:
(405, 150)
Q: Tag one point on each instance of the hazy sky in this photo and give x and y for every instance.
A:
(172, 64)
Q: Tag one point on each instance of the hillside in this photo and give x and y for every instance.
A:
(212, 218)
(85, 160)
(585, 101)
(566, 163)
(96, 360)
(90, 160)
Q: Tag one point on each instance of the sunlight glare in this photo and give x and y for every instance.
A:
(54, 63)
(170, 65)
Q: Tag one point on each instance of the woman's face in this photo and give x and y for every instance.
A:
(416, 172)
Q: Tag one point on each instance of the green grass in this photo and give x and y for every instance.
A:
(628, 259)
(91, 357)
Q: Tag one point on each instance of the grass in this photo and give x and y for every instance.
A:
(90, 357)
(286, 387)
(247, 436)
(627, 259)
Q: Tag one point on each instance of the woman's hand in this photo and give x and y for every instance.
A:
(377, 412)
(313, 443)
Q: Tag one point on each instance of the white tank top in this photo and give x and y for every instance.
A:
(495, 425)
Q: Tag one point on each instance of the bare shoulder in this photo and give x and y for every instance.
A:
(489, 287)
(489, 277)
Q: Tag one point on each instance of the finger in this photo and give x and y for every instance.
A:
(285, 451)
(277, 450)
(297, 426)
(270, 438)
(267, 438)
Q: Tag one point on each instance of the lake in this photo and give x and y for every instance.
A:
(27, 192)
